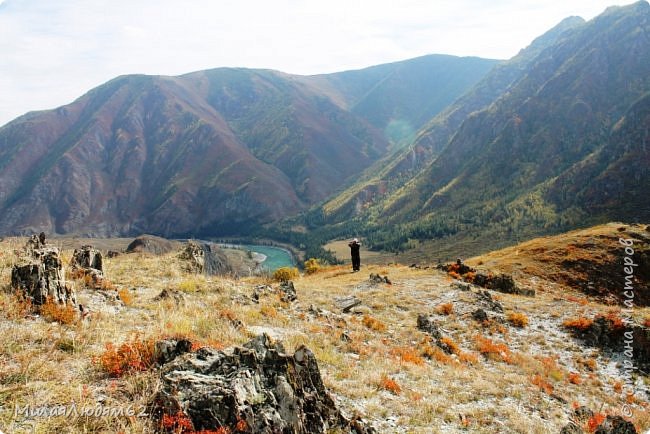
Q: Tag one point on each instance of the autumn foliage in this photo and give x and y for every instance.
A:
(136, 355)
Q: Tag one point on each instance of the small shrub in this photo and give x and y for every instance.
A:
(132, 356)
(373, 323)
(312, 266)
(544, 385)
(469, 358)
(618, 386)
(574, 378)
(580, 323)
(492, 350)
(595, 421)
(125, 296)
(284, 274)
(61, 313)
(646, 322)
(387, 383)
(445, 309)
(408, 355)
(435, 353)
(615, 320)
(454, 275)
(448, 345)
(269, 311)
(517, 319)
(176, 423)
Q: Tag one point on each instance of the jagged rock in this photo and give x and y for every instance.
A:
(616, 425)
(257, 386)
(204, 258)
(583, 413)
(288, 292)
(87, 258)
(571, 428)
(427, 324)
(485, 298)
(480, 315)
(167, 350)
(41, 275)
(112, 254)
(347, 303)
(376, 278)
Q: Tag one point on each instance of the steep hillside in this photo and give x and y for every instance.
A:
(210, 152)
(423, 354)
(546, 153)
(392, 172)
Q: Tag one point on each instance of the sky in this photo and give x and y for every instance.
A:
(53, 51)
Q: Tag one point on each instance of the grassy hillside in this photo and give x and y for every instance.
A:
(506, 374)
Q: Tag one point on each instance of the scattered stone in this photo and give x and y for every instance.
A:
(427, 324)
(260, 291)
(376, 278)
(462, 286)
(170, 294)
(288, 292)
(571, 428)
(257, 385)
(40, 274)
(347, 303)
(480, 315)
(112, 254)
(583, 413)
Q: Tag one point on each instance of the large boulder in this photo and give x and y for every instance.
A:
(152, 244)
(39, 274)
(257, 388)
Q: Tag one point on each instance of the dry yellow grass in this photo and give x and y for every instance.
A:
(392, 373)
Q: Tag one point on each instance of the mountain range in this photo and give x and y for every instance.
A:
(553, 139)
(215, 151)
(464, 151)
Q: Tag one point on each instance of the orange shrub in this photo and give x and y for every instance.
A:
(544, 385)
(517, 319)
(450, 345)
(445, 308)
(435, 353)
(389, 384)
(129, 357)
(616, 321)
(469, 358)
(492, 350)
(618, 387)
(646, 322)
(574, 378)
(125, 296)
(373, 323)
(595, 421)
(469, 276)
(580, 301)
(408, 355)
(177, 423)
(61, 313)
(453, 275)
(580, 323)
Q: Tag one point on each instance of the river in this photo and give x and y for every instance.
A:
(275, 257)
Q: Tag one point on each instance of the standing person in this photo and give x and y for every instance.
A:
(355, 246)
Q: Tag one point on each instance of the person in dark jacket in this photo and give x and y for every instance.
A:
(355, 246)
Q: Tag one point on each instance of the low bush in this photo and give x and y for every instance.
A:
(284, 274)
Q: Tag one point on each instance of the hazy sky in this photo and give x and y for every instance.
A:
(53, 51)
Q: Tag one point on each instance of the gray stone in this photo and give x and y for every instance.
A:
(257, 385)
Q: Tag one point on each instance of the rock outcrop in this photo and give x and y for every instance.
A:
(204, 258)
(87, 258)
(257, 388)
(40, 275)
(151, 244)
